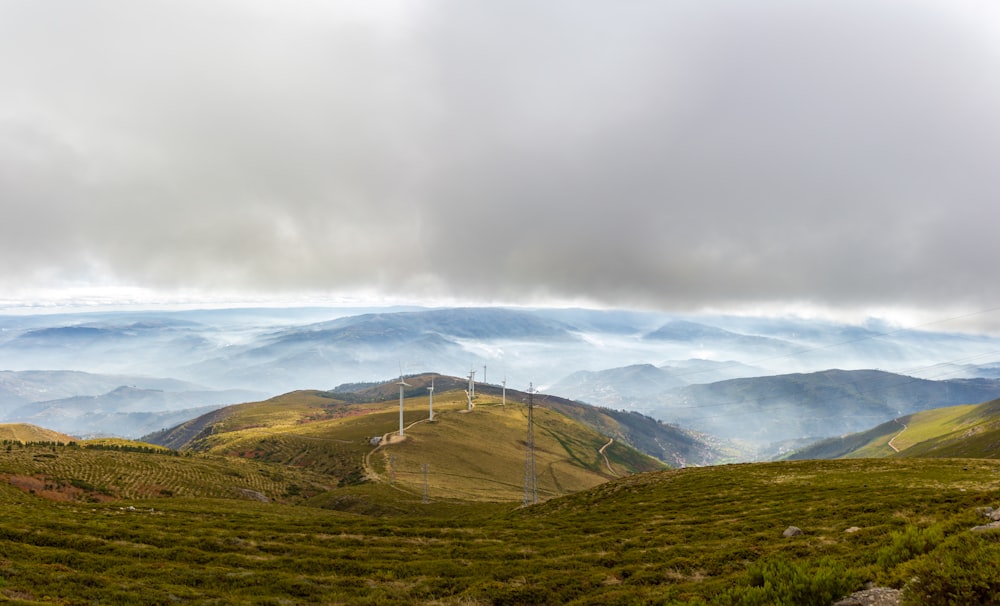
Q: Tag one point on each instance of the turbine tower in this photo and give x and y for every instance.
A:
(402, 385)
(431, 392)
(472, 384)
(504, 383)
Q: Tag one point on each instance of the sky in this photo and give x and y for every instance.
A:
(681, 155)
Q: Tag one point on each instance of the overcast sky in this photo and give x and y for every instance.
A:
(674, 154)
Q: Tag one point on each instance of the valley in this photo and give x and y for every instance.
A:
(751, 388)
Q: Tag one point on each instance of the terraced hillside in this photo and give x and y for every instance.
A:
(105, 471)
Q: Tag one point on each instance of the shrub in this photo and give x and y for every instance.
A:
(908, 544)
(779, 582)
(961, 571)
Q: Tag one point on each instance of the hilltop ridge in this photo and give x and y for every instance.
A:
(26, 432)
(351, 434)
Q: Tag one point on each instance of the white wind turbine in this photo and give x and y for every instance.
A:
(402, 385)
(504, 383)
(471, 391)
(431, 392)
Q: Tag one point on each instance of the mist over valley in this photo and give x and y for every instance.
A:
(754, 381)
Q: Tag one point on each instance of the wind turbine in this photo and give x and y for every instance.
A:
(472, 384)
(504, 383)
(431, 391)
(402, 384)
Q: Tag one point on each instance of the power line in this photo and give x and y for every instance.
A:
(530, 477)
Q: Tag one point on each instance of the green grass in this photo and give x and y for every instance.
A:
(697, 535)
(480, 455)
(79, 473)
(470, 455)
(964, 431)
(24, 432)
(972, 431)
(262, 514)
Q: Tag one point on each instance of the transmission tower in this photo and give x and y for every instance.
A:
(530, 479)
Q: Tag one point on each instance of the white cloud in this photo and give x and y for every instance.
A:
(680, 155)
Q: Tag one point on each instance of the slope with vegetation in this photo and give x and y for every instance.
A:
(25, 432)
(956, 431)
(810, 405)
(291, 501)
(693, 536)
(477, 454)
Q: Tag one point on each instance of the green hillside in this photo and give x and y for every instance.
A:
(956, 431)
(694, 536)
(24, 432)
(115, 470)
(311, 498)
(960, 431)
(470, 455)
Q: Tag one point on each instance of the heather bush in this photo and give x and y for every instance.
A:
(961, 571)
(780, 582)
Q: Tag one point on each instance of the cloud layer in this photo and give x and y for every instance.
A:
(681, 155)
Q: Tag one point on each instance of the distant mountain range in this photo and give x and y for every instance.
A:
(779, 408)
(674, 368)
(85, 404)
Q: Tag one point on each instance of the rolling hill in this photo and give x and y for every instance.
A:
(471, 454)
(310, 497)
(820, 404)
(969, 431)
(25, 432)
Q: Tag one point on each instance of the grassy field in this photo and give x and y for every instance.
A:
(691, 536)
(291, 501)
(476, 454)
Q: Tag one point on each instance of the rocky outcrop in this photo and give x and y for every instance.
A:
(990, 514)
(875, 596)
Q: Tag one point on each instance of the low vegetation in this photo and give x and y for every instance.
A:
(293, 502)
(971, 430)
(469, 455)
(691, 536)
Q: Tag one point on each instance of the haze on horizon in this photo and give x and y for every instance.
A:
(833, 156)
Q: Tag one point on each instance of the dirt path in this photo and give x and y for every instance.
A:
(611, 469)
(893, 439)
(387, 438)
